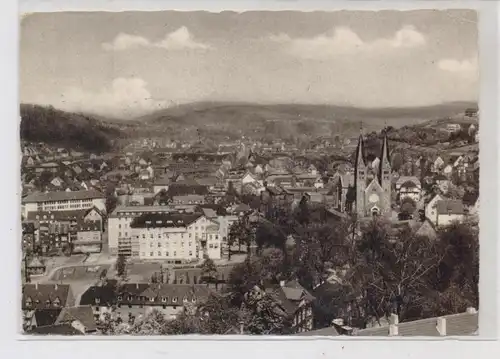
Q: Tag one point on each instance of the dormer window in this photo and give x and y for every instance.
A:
(97, 300)
(120, 298)
(129, 298)
(174, 300)
(57, 302)
(164, 299)
(184, 299)
(47, 303)
(194, 299)
(29, 302)
(152, 299)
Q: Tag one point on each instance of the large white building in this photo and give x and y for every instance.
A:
(119, 230)
(176, 237)
(63, 201)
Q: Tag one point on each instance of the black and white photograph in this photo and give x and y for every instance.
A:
(280, 173)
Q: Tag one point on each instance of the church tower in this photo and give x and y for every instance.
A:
(360, 177)
(384, 175)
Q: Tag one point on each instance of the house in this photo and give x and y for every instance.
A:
(191, 199)
(431, 208)
(296, 303)
(448, 170)
(138, 299)
(448, 211)
(408, 186)
(460, 324)
(88, 237)
(35, 267)
(453, 127)
(248, 178)
(41, 318)
(44, 296)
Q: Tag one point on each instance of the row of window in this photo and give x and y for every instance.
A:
(167, 254)
(163, 299)
(167, 244)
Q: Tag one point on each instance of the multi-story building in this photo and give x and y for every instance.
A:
(177, 237)
(119, 230)
(63, 201)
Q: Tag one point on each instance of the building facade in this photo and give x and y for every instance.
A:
(372, 188)
(63, 201)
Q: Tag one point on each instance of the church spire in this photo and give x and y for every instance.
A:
(360, 158)
(385, 162)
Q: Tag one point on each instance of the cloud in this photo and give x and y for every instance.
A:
(467, 67)
(177, 40)
(344, 41)
(126, 98)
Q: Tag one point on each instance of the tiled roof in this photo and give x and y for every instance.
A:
(456, 325)
(45, 317)
(450, 206)
(175, 294)
(58, 329)
(84, 314)
(41, 293)
(163, 220)
(62, 196)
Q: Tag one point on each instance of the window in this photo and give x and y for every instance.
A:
(120, 298)
(193, 300)
(174, 300)
(129, 298)
(164, 299)
(119, 234)
(190, 253)
(119, 226)
(126, 234)
(97, 300)
(210, 245)
(182, 235)
(216, 236)
(151, 299)
(151, 236)
(159, 253)
(184, 299)
(210, 236)
(189, 235)
(166, 254)
(175, 254)
(150, 254)
(143, 235)
(190, 244)
(159, 244)
(216, 245)
(151, 244)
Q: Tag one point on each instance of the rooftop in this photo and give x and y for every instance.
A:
(62, 196)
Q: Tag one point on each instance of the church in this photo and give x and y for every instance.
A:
(370, 194)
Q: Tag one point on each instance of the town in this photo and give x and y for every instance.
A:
(368, 233)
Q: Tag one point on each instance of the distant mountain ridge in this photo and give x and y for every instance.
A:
(220, 121)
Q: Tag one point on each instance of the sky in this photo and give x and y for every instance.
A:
(130, 63)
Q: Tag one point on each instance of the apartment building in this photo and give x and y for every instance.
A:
(119, 230)
(176, 237)
(63, 201)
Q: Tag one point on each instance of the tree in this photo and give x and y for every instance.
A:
(121, 266)
(397, 161)
(208, 271)
(303, 213)
(242, 278)
(241, 231)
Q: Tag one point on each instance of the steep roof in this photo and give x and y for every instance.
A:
(57, 329)
(41, 293)
(62, 196)
(45, 317)
(84, 314)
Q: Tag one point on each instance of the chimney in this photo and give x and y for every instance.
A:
(394, 319)
(393, 324)
(136, 285)
(55, 286)
(393, 330)
(36, 285)
(471, 310)
(441, 326)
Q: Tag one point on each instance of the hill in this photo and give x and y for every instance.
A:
(288, 120)
(67, 129)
